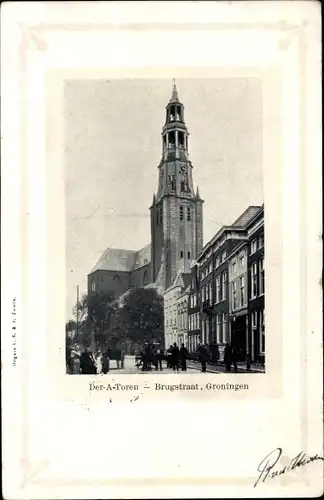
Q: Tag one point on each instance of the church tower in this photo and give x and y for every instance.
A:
(176, 210)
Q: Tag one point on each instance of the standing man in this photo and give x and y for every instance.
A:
(228, 357)
(183, 358)
(175, 357)
(234, 358)
(75, 359)
(105, 362)
(160, 355)
(203, 357)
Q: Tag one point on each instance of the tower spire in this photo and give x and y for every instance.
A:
(174, 96)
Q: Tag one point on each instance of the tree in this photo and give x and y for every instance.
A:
(96, 314)
(141, 317)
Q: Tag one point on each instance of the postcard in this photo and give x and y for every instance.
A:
(162, 294)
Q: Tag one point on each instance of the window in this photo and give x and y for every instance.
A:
(224, 255)
(217, 289)
(210, 267)
(188, 255)
(207, 293)
(218, 328)
(242, 260)
(181, 254)
(242, 297)
(224, 328)
(254, 245)
(181, 212)
(261, 274)
(207, 331)
(210, 292)
(254, 280)
(261, 241)
(234, 298)
(224, 286)
(217, 262)
(188, 213)
(254, 320)
(262, 332)
(234, 266)
(203, 294)
(93, 286)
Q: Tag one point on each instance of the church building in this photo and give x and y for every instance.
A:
(176, 221)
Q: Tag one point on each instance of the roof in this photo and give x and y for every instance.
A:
(181, 280)
(115, 259)
(143, 257)
(119, 259)
(239, 225)
(246, 216)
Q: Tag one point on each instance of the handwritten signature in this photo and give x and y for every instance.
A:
(266, 466)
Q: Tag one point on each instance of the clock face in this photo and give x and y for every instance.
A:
(183, 169)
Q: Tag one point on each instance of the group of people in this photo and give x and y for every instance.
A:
(152, 357)
(90, 364)
(177, 358)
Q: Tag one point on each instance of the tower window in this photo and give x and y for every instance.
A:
(182, 186)
(161, 216)
(171, 139)
(181, 139)
(188, 213)
(189, 255)
(181, 254)
(181, 212)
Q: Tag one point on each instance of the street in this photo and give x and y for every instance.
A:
(192, 367)
(130, 368)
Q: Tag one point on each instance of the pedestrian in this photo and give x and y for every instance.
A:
(228, 357)
(75, 359)
(160, 356)
(87, 363)
(118, 358)
(175, 357)
(105, 362)
(169, 357)
(183, 357)
(98, 361)
(234, 358)
(203, 357)
(248, 361)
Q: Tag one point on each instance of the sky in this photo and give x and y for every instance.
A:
(112, 131)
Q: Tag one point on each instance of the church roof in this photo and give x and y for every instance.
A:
(143, 257)
(119, 259)
(115, 259)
